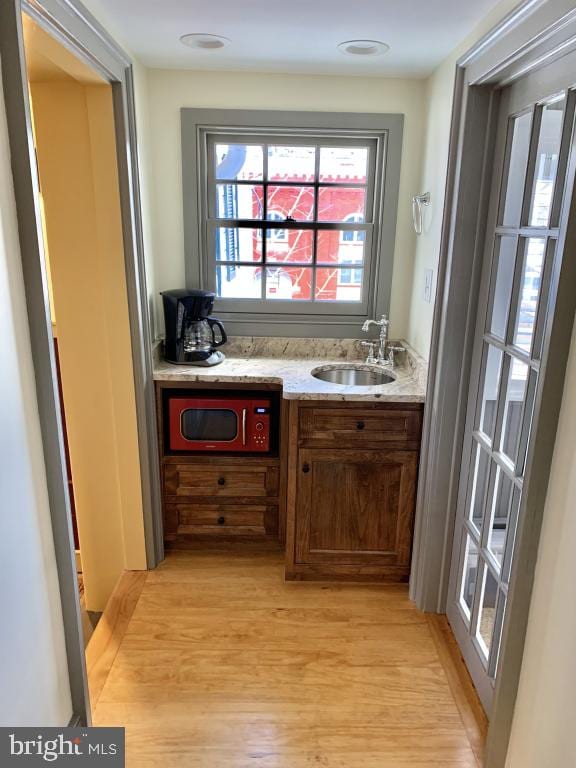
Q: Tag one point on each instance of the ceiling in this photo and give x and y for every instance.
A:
(297, 36)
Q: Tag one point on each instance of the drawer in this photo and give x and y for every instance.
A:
(221, 519)
(352, 427)
(221, 481)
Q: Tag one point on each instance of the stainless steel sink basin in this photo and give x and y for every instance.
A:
(353, 375)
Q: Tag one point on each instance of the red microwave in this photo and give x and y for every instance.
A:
(219, 424)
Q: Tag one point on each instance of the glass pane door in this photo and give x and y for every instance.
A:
(520, 248)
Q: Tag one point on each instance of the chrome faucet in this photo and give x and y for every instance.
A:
(385, 350)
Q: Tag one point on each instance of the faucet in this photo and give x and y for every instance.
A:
(385, 350)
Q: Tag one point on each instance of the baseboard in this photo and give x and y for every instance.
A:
(467, 700)
(110, 630)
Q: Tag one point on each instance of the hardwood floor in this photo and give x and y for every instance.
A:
(225, 665)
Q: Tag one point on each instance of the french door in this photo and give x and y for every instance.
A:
(532, 145)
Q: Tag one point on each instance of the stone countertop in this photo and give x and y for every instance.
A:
(289, 362)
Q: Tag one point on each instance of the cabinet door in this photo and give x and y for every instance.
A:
(355, 507)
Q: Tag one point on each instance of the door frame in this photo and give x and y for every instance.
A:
(71, 24)
(536, 33)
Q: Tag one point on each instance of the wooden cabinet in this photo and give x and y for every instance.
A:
(219, 498)
(352, 491)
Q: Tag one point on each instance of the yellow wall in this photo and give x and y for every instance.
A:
(77, 162)
(171, 90)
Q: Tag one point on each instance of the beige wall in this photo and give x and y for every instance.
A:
(77, 163)
(34, 686)
(438, 98)
(171, 90)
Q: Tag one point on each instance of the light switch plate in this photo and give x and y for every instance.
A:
(428, 283)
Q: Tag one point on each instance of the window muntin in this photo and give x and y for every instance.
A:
(310, 216)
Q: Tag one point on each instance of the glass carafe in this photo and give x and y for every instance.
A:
(199, 335)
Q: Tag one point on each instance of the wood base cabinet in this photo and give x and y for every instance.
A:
(351, 509)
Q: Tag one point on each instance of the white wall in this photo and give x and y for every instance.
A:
(545, 715)
(34, 686)
(543, 728)
(169, 90)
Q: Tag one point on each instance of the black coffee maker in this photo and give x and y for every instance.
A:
(190, 337)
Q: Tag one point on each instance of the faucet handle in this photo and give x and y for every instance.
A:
(370, 358)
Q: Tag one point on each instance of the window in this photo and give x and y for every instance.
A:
(350, 235)
(288, 221)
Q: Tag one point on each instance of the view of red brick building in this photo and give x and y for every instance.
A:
(339, 252)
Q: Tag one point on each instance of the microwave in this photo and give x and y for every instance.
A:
(223, 424)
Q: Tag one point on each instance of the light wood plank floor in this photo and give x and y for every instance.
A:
(224, 665)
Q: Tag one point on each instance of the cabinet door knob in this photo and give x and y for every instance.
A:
(221, 520)
(221, 481)
(305, 468)
(360, 425)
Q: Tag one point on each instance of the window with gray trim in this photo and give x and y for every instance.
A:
(292, 224)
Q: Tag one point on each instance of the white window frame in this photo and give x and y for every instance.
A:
(293, 317)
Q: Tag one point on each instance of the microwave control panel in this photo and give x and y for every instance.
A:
(260, 422)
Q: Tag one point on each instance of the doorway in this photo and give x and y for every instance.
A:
(112, 458)
(534, 129)
(74, 137)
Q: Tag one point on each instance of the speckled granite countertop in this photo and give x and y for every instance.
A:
(289, 362)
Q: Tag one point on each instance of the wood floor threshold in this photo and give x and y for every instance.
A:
(471, 711)
(105, 642)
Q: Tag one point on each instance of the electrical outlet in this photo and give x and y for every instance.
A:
(428, 283)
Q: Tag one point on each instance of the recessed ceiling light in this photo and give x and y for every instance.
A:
(204, 41)
(363, 47)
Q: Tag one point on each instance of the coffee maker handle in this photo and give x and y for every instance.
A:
(214, 321)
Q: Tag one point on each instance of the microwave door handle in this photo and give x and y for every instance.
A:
(244, 412)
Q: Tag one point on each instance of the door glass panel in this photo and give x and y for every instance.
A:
(487, 614)
(502, 287)
(511, 537)
(497, 636)
(530, 291)
(291, 163)
(469, 576)
(489, 391)
(513, 407)
(518, 160)
(218, 424)
(547, 155)
(479, 485)
(499, 509)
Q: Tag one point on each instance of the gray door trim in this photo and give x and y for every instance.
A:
(74, 27)
(532, 36)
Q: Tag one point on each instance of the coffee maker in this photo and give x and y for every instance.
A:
(190, 337)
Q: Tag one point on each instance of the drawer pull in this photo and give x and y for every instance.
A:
(221, 520)
(221, 481)
(360, 425)
(306, 468)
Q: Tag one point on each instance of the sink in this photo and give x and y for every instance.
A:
(353, 375)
